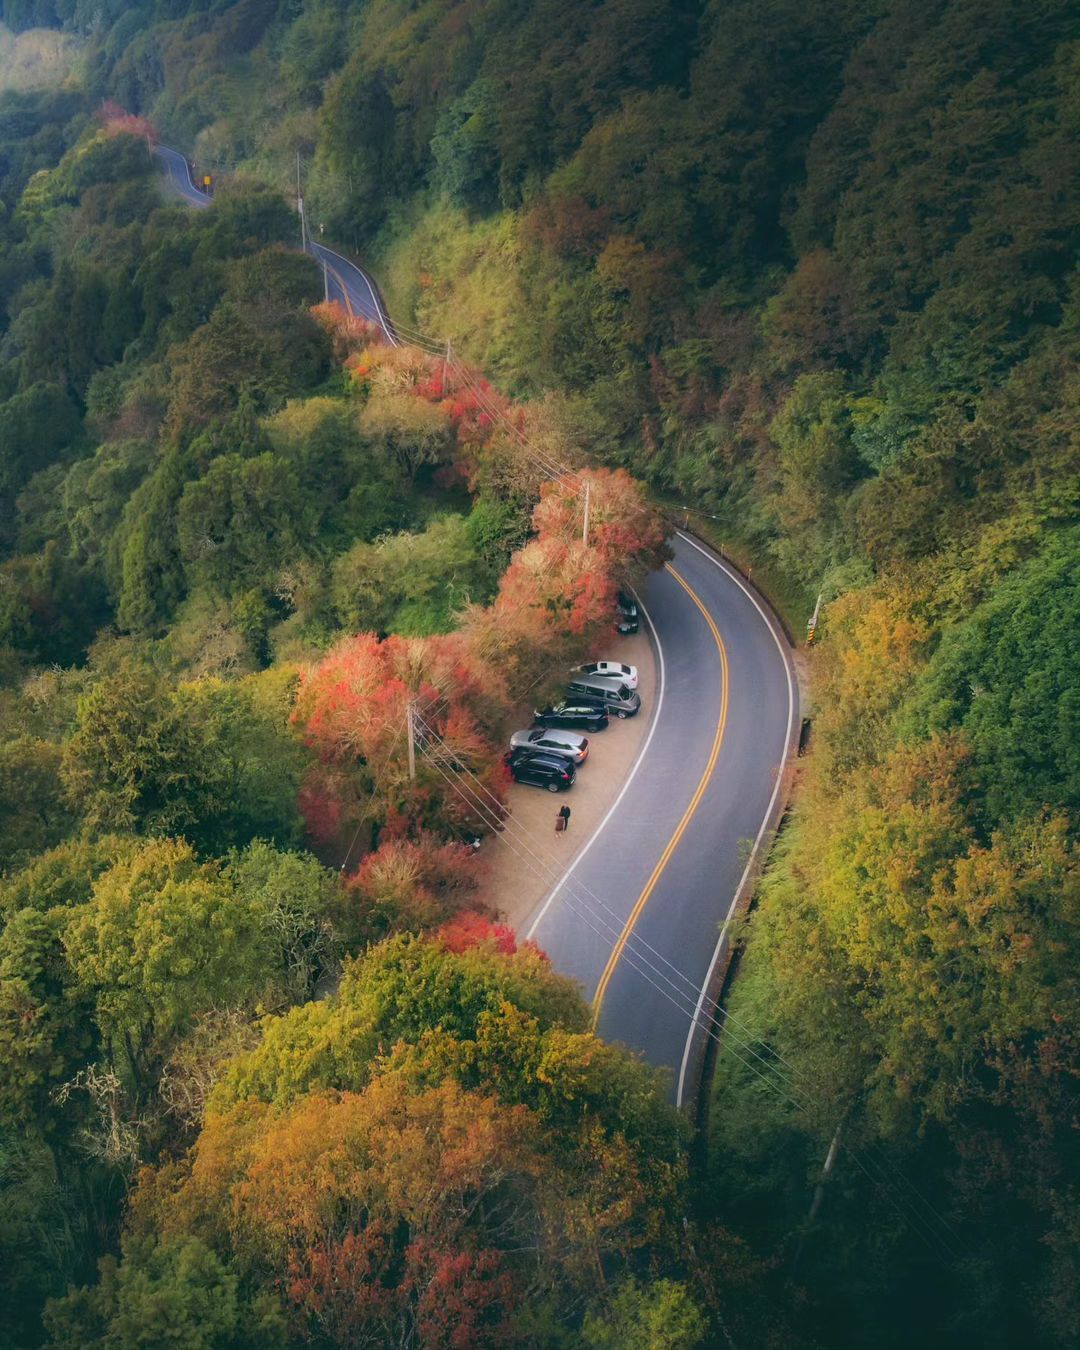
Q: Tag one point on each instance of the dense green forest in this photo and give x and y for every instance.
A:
(809, 270)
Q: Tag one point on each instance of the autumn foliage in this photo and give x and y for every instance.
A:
(420, 1157)
(410, 885)
(117, 121)
(554, 600)
(470, 929)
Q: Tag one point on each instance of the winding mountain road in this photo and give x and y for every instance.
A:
(641, 917)
(346, 281)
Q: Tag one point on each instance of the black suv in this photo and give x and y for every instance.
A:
(550, 771)
(626, 614)
(573, 713)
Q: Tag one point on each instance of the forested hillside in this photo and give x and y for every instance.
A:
(807, 269)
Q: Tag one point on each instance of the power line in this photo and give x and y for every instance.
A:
(488, 401)
(875, 1169)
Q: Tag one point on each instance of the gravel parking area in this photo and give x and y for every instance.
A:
(528, 858)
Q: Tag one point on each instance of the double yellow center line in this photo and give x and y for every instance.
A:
(673, 842)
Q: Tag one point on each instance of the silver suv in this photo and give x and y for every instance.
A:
(552, 740)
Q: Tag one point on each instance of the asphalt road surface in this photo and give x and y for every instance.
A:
(178, 176)
(641, 916)
(345, 280)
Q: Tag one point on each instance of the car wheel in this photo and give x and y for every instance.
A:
(621, 715)
(553, 787)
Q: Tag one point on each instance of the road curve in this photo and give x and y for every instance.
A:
(178, 176)
(346, 281)
(640, 917)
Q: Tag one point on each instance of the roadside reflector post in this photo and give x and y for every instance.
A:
(811, 627)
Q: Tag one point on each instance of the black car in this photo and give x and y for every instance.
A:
(573, 713)
(550, 771)
(626, 614)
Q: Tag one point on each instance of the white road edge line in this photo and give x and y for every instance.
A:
(171, 156)
(630, 778)
(383, 317)
(785, 657)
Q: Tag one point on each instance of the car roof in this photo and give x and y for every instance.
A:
(552, 761)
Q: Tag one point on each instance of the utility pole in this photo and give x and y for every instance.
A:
(585, 527)
(819, 1193)
(410, 731)
(445, 368)
(300, 206)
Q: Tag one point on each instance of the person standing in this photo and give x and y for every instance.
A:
(562, 820)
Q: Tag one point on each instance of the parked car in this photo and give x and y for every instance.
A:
(585, 713)
(554, 772)
(567, 743)
(612, 669)
(616, 697)
(626, 614)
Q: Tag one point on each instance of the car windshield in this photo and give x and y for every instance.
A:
(624, 692)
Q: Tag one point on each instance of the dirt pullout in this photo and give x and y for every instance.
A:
(526, 860)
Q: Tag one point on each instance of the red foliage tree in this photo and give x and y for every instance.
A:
(352, 708)
(471, 929)
(349, 333)
(463, 1299)
(117, 121)
(409, 885)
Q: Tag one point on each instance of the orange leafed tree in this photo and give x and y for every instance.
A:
(352, 707)
(350, 334)
(554, 601)
(384, 1216)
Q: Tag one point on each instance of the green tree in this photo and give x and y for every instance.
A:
(1007, 675)
(293, 896)
(657, 1316)
(127, 763)
(238, 524)
(164, 1293)
(43, 1234)
(149, 566)
(215, 760)
(162, 938)
(33, 813)
(64, 875)
(37, 426)
(47, 1031)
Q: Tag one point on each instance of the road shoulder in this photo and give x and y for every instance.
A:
(522, 870)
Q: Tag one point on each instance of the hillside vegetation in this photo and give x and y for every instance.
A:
(38, 59)
(808, 269)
